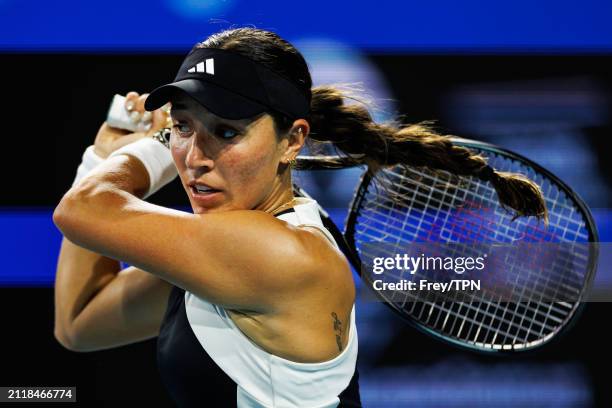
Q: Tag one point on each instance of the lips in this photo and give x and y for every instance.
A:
(204, 189)
(201, 188)
(204, 196)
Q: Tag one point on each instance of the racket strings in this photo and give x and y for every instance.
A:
(488, 306)
(484, 197)
(549, 287)
(382, 227)
(410, 205)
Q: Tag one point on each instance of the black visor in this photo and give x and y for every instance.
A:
(232, 86)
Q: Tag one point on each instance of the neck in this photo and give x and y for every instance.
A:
(280, 197)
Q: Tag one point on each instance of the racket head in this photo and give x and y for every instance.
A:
(478, 326)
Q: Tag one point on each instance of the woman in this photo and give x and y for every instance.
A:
(251, 299)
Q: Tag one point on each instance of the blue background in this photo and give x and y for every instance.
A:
(435, 26)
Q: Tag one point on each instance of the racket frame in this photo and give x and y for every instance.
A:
(346, 239)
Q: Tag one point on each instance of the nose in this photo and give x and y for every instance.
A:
(197, 157)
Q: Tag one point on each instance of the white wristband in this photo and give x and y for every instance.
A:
(89, 161)
(155, 157)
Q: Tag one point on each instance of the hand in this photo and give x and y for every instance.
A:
(110, 139)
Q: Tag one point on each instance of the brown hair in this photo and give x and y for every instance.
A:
(351, 129)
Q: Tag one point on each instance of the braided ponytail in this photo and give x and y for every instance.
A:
(351, 130)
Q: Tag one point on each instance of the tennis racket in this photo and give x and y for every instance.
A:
(403, 205)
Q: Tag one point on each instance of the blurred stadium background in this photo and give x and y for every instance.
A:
(532, 76)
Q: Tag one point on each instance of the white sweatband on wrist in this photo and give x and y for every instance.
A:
(89, 161)
(156, 159)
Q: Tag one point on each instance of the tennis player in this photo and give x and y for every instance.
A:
(250, 298)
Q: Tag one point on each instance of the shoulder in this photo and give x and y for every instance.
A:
(326, 267)
(272, 245)
(296, 256)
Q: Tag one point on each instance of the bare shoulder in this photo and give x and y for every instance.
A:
(328, 266)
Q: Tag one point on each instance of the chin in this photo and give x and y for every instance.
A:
(197, 210)
(200, 210)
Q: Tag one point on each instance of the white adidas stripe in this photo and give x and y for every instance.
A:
(210, 66)
(207, 67)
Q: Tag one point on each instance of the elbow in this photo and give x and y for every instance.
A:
(70, 341)
(65, 340)
(61, 214)
(71, 213)
(58, 217)
(79, 204)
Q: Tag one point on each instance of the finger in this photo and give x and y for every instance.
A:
(130, 101)
(160, 119)
(139, 114)
(146, 117)
(135, 116)
(143, 126)
(140, 102)
(166, 108)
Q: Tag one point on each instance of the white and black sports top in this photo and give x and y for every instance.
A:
(205, 360)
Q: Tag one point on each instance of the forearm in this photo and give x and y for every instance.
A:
(80, 275)
(126, 310)
(99, 306)
(107, 181)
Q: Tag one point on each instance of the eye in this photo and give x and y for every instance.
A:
(182, 128)
(227, 132)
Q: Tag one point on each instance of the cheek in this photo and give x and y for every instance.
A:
(178, 145)
(178, 148)
(252, 170)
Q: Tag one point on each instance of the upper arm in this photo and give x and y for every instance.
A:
(128, 309)
(240, 259)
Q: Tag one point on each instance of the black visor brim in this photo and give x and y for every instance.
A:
(220, 101)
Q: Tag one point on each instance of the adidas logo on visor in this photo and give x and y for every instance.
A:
(207, 66)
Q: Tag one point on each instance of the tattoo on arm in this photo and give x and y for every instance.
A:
(338, 330)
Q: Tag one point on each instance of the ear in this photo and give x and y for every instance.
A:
(296, 138)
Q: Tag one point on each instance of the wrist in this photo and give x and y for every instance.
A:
(156, 160)
(90, 160)
(99, 152)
